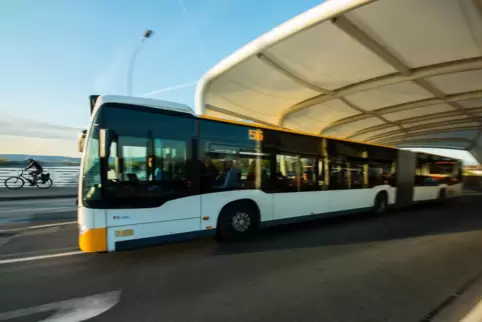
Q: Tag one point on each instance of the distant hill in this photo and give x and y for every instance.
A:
(41, 158)
(18, 160)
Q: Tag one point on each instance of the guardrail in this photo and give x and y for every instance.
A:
(69, 177)
(61, 176)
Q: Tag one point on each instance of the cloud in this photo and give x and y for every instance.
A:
(168, 89)
(38, 146)
(183, 7)
(107, 81)
(27, 136)
(192, 29)
(23, 127)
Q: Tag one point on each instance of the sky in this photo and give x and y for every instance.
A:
(56, 53)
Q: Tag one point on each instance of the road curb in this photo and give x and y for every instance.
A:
(464, 305)
(36, 197)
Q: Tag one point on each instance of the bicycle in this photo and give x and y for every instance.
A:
(42, 181)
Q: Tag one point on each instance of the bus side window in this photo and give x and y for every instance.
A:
(287, 173)
(338, 174)
(309, 179)
(227, 167)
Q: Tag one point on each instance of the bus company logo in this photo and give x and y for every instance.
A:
(120, 217)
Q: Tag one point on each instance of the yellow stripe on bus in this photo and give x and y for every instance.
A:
(282, 129)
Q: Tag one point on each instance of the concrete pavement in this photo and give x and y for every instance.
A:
(35, 193)
(400, 267)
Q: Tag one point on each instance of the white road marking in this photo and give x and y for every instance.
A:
(33, 232)
(50, 209)
(38, 253)
(33, 258)
(38, 227)
(4, 240)
(73, 310)
(35, 203)
(475, 315)
(52, 225)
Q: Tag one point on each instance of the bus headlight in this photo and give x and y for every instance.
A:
(82, 229)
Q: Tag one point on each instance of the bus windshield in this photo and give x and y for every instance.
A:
(147, 161)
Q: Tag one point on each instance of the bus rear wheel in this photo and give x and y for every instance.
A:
(237, 221)
(442, 196)
(381, 204)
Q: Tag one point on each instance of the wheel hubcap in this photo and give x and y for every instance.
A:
(241, 222)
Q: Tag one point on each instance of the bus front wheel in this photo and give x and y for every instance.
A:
(237, 221)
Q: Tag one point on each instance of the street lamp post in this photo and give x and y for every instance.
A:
(148, 33)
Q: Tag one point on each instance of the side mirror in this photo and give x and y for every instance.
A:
(93, 100)
(81, 140)
(105, 137)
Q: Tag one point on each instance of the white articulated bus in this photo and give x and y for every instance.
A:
(152, 172)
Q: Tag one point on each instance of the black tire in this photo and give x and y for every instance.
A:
(442, 196)
(44, 185)
(10, 181)
(380, 205)
(237, 221)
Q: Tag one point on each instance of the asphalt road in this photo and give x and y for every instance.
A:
(36, 210)
(27, 193)
(405, 266)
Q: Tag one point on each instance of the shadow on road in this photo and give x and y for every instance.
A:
(460, 215)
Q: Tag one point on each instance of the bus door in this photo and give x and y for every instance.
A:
(149, 189)
(299, 182)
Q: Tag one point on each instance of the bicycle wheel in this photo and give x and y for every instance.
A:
(14, 183)
(45, 184)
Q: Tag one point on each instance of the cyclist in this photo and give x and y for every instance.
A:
(37, 170)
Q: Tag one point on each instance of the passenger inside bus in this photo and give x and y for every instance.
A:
(153, 173)
(251, 175)
(229, 176)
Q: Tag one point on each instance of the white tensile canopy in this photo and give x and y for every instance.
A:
(396, 72)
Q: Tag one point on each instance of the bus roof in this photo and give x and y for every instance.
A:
(396, 72)
(155, 103)
(281, 129)
(172, 106)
